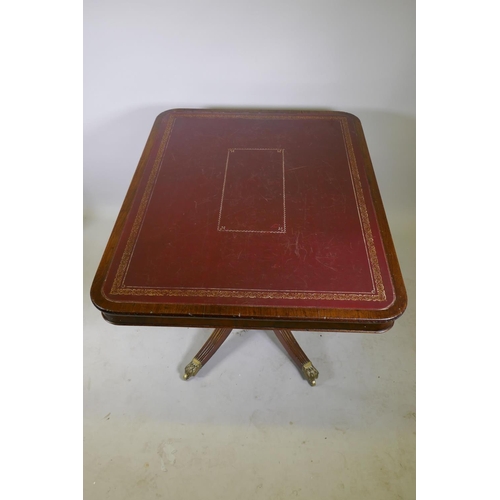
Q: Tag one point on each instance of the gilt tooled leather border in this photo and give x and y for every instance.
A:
(378, 294)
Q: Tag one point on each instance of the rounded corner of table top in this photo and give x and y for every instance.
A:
(99, 299)
(349, 116)
(396, 309)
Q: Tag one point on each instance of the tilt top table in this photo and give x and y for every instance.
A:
(252, 219)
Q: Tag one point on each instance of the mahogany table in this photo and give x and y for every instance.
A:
(252, 219)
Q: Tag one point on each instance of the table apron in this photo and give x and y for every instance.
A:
(249, 323)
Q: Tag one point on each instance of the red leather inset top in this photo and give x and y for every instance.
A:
(254, 209)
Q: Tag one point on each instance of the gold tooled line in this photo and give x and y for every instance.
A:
(365, 221)
(118, 282)
(164, 292)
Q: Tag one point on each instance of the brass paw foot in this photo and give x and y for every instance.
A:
(192, 369)
(310, 372)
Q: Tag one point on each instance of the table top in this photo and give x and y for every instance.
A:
(252, 219)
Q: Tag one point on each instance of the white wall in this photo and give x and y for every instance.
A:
(143, 57)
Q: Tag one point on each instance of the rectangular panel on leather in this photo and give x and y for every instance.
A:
(253, 191)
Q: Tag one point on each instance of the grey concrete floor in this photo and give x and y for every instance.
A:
(247, 426)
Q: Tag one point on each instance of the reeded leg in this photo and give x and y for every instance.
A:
(297, 354)
(206, 352)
